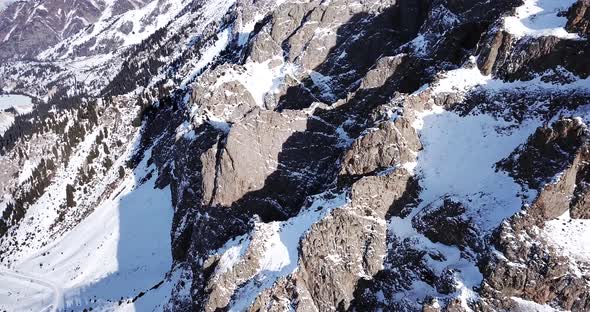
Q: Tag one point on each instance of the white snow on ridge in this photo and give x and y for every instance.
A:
(531, 306)
(538, 18)
(461, 80)
(469, 77)
(260, 78)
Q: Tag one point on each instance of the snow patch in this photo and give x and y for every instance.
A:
(280, 253)
(260, 78)
(21, 103)
(537, 18)
(458, 159)
(461, 80)
(531, 306)
(571, 237)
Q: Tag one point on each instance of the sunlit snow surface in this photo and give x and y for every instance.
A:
(571, 237)
(531, 306)
(21, 104)
(458, 161)
(459, 157)
(538, 18)
(118, 251)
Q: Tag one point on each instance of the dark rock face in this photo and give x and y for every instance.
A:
(495, 47)
(548, 152)
(580, 208)
(561, 149)
(532, 271)
(446, 224)
(578, 18)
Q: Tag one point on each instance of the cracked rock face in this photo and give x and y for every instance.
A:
(579, 17)
(547, 276)
(251, 152)
(392, 144)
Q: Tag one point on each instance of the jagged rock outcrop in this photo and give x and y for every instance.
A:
(447, 224)
(354, 237)
(392, 144)
(578, 18)
(548, 152)
(536, 271)
(532, 271)
(557, 153)
(251, 153)
(347, 245)
(494, 48)
(227, 101)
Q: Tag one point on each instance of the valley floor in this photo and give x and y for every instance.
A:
(119, 251)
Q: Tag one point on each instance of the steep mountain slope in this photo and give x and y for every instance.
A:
(313, 156)
(29, 27)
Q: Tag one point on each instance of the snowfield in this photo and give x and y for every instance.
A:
(536, 18)
(571, 237)
(459, 159)
(21, 104)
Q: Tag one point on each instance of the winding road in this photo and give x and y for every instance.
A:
(27, 278)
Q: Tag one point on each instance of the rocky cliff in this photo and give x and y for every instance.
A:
(317, 156)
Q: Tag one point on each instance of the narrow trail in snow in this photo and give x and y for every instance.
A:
(27, 278)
